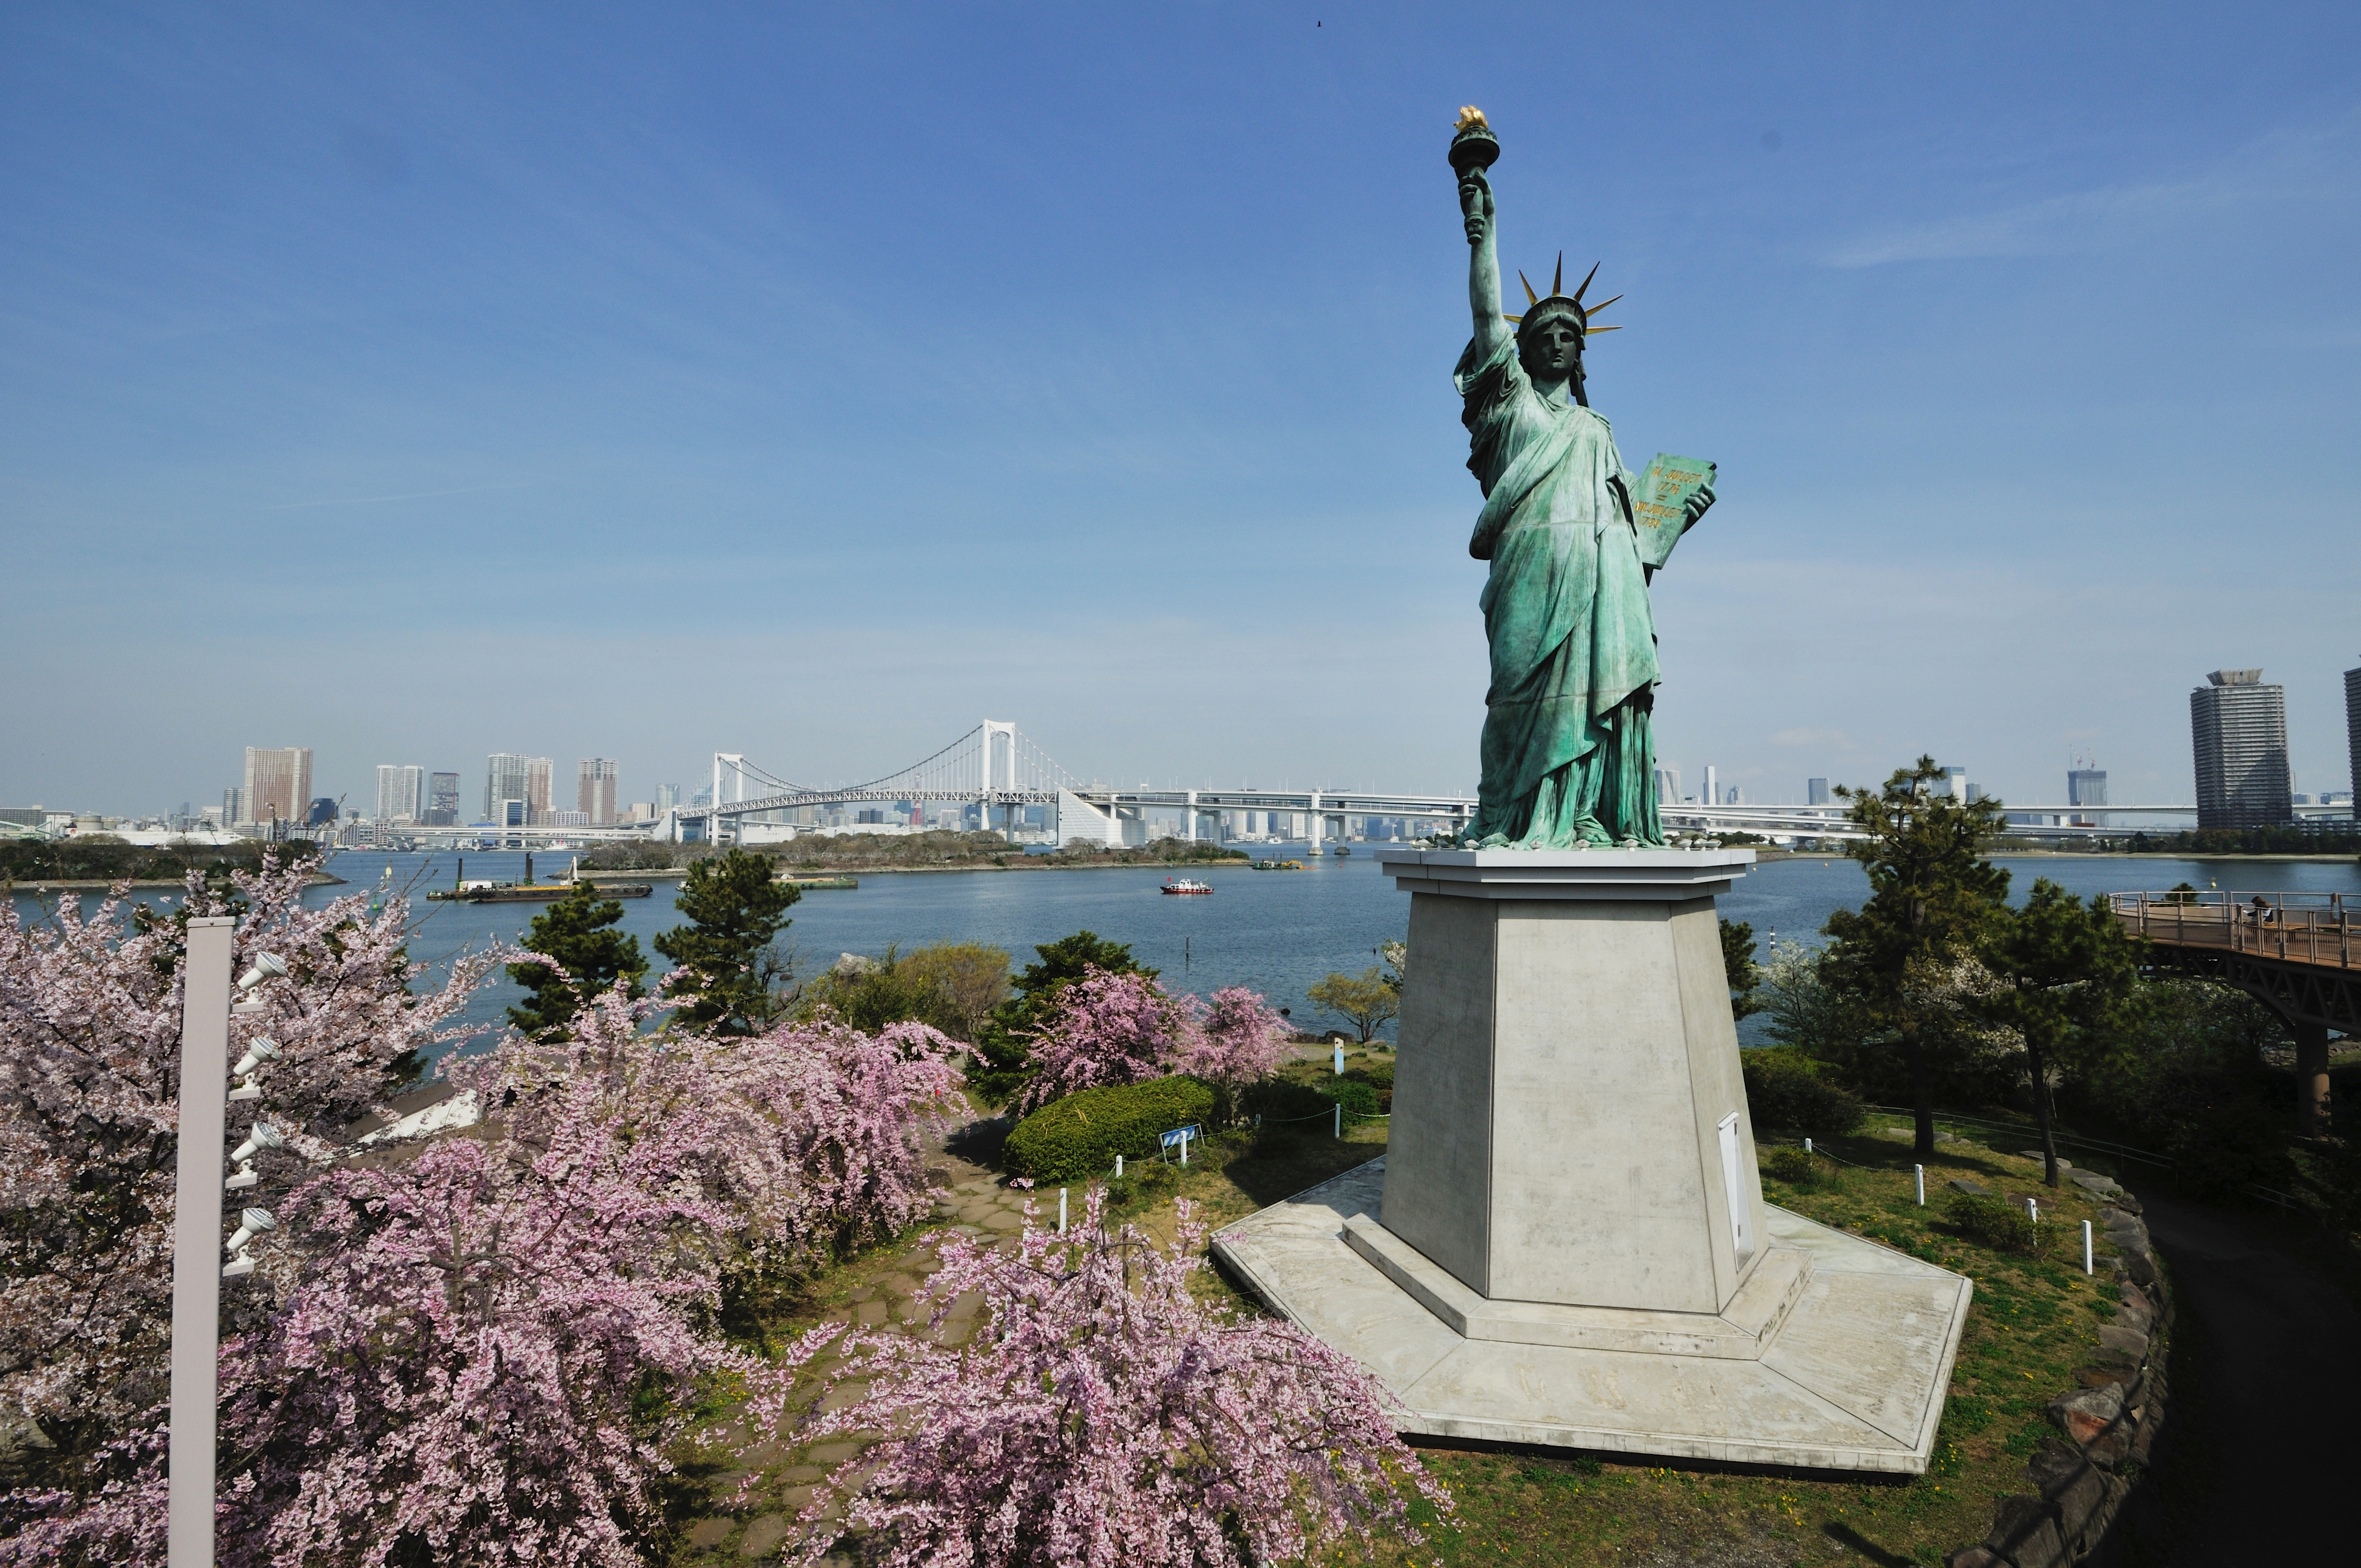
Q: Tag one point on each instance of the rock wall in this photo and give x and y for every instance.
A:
(2081, 1483)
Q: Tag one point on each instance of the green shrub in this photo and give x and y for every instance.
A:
(1994, 1221)
(1377, 1075)
(1357, 1097)
(1283, 1105)
(1082, 1133)
(1785, 1090)
(1786, 1164)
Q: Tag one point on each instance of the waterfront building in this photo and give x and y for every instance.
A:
(503, 780)
(1668, 787)
(594, 790)
(1815, 792)
(2352, 736)
(1955, 784)
(442, 800)
(569, 819)
(1712, 792)
(278, 785)
(667, 797)
(2238, 733)
(538, 773)
(401, 791)
(2086, 786)
(233, 806)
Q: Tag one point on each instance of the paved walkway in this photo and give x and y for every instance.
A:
(876, 1290)
(2255, 1464)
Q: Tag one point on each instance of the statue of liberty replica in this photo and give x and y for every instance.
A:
(1574, 538)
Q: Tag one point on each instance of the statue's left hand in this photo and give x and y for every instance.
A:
(1698, 504)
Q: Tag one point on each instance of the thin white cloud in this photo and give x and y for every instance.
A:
(1835, 737)
(2290, 165)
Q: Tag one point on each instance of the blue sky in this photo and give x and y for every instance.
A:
(417, 382)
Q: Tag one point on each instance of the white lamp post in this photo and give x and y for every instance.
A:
(197, 1267)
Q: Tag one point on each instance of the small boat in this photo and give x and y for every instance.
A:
(1185, 886)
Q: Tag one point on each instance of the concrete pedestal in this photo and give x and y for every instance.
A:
(1566, 1242)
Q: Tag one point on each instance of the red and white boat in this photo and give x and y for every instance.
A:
(1185, 886)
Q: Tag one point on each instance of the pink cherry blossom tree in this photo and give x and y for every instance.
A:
(1102, 1415)
(90, 1029)
(1235, 1041)
(1106, 1029)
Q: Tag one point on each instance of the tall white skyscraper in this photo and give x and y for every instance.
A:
(2353, 736)
(503, 780)
(2239, 730)
(507, 777)
(1711, 797)
(401, 793)
(667, 796)
(1815, 792)
(1668, 787)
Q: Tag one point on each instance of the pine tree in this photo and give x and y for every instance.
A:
(735, 906)
(2071, 971)
(1932, 897)
(573, 932)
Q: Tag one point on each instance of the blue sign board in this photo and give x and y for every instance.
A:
(1181, 1134)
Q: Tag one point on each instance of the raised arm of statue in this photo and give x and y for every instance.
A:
(1483, 261)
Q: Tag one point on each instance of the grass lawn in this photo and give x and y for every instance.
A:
(2032, 1333)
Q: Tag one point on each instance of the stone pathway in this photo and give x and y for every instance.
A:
(876, 1290)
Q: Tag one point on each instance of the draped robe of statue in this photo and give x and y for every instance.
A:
(1568, 755)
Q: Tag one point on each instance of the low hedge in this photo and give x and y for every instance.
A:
(1082, 1134)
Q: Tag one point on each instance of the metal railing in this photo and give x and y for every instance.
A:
(2298, 927)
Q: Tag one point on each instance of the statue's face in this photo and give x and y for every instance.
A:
(1552, 350)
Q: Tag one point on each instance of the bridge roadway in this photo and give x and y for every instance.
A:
(2299, 954)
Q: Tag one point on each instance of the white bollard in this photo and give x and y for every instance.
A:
(2086, 1246)
(1062, 1211)
(1118, 1168)
(1185, 1149)
(1340, 1121)
(1808, 1146)
(1921, 1172)
(2031, 1213)
(1340, 1059)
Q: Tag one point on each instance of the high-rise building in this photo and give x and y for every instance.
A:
(278, 785)
(594, 790)
(2353, 736)
(667, 797)
(401, 793)
(2238, 727)
(1955, 784)
(503, 780)
(442, 800)
(509, 776)
(1668, 787)
(1815, 792)
(2086, 786)
(233, 806)
(1712, 796)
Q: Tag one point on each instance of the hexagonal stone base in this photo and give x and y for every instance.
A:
(1850, 1374)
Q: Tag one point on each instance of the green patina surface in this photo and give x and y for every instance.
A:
(1571, 536)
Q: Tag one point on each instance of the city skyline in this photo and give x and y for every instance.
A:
(397, 329)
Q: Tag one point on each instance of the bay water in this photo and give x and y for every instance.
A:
(1277, 932)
